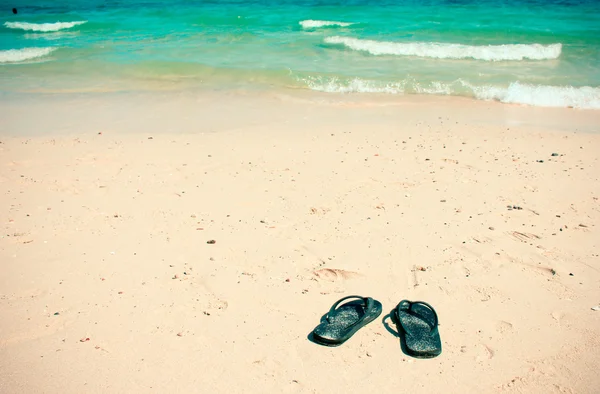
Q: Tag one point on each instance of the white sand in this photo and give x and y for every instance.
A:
(104, 236)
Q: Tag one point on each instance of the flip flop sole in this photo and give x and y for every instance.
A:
(351, 332)
(347, 333)
(417, 337)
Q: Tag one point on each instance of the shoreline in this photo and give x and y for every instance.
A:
(209, 111)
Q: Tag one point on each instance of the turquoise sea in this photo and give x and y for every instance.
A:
(537, 52)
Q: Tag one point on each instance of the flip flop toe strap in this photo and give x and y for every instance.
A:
(368, 304)
(434, 327)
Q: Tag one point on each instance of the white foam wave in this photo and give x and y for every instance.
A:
(518, 93)
(452, 51)
(19, 55)
(313, 24)
(43, 27)
(585, 97)
(355, 85)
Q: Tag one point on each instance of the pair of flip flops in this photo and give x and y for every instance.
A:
(417, 324)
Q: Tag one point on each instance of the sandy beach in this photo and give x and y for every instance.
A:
(108, 201)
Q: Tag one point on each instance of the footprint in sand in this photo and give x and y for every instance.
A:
(213, 305)
(503, 327)
(562, 318)
(218, 304)
(484, 353)
(557, 316)
(485, 294)
(332, 279)
(333, 274)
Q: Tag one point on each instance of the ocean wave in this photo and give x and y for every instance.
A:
(19, 55)
(517, 93)
(452, 51)
(313, 24)
(585, 97)
(354, 85)
(43, 27)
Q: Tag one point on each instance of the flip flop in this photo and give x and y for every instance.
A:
(417, 325)
(340, 323)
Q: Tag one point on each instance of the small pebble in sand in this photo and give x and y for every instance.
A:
(56, 313)
(211, 242)
(596, 308)
(179, 334)
(555, 154)
(287, 280)
(491, 228)
(540, 161)
(571, 274)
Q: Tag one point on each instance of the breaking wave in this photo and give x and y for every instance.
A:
(451, 51)
(313, 24)
(19, 55)
(43, 27)
(518, 93)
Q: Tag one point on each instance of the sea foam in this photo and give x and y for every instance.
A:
(19, 55)
(452, 51)
(585, 97)
(43, 27)
(313, 24)
(354, 85)
(517, 93)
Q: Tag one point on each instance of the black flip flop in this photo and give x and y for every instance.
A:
(340, 323)
(417, 325)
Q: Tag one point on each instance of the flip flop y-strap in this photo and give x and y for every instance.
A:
(368, 304)
(434, 327)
